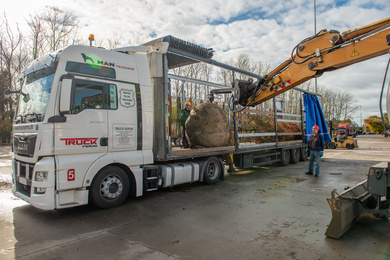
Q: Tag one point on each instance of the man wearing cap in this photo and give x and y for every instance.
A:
(185, 113)
(316, 148)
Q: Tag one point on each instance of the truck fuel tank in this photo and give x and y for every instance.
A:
(174, 174)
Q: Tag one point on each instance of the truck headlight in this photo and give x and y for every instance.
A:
(41, 176)
(38, 190)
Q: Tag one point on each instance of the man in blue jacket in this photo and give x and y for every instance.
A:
(316, 148)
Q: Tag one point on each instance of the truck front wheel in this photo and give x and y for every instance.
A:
(212, 170)
(110, 188)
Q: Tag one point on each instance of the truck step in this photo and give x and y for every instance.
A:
(151, 176)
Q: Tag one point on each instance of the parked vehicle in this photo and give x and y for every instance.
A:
(95, 127)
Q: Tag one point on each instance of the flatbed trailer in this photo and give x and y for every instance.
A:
(181, 53)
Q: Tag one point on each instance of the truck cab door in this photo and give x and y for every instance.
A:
(83, 137)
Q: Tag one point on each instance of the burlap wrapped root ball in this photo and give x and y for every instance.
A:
(207, 126)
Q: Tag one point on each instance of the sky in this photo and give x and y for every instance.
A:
(266, 30)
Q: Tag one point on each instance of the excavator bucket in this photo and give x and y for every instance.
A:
(368, 198)
(346, 209)
(343, 217)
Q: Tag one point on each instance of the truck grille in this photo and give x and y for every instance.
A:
(24, 145)
(23, 177)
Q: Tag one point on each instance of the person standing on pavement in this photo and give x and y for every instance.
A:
(184, 114)
(316, 148)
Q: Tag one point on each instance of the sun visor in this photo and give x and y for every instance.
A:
(40, 63)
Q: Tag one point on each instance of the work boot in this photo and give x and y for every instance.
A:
(231, 168)
(316, 175)
(309, 173)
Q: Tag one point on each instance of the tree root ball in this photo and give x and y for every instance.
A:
(207, 126)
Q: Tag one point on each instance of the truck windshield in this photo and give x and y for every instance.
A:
(37, 85)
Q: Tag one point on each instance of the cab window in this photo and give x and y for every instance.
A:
(93, 95)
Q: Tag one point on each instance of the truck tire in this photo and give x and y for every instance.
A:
(109, 188)
(211, 170)
(295, 155)
(285, 160)
(331, 145)
(303, 155)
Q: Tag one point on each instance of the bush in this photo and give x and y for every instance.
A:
(265, 124)
(5, 131)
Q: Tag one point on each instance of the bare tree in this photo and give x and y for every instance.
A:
(60, 27)
(114, 40)
(242, 62)
(36, 34)
(135, 40)
(336, 104)
(199, 71)
(348, 105)
(10, 43)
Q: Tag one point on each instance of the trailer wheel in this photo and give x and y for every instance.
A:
(295, 155)
(303, 155)
(285, 157)
(212, 170)
(331, 145)
(110, 188)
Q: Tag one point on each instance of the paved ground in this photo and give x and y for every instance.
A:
(263, 213)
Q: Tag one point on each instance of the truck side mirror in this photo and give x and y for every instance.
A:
(66, 90)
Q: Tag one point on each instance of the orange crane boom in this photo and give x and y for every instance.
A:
(325, 51)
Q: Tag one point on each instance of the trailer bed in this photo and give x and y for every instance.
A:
(178, 153)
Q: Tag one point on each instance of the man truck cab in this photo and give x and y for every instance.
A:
(85, 105)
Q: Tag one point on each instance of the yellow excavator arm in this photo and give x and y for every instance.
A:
(325, 51)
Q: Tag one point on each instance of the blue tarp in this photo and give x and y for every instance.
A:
(314, 116)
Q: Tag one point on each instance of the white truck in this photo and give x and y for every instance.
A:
(93, 125)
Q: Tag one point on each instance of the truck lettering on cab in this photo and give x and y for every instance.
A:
(99, 62)
(84, 142)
